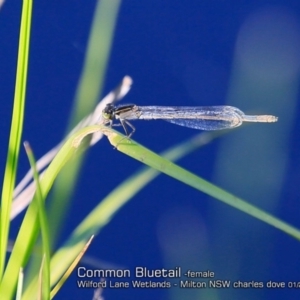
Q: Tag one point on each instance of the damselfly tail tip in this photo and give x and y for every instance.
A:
(260, 119)
(269, 119)
(274, 119)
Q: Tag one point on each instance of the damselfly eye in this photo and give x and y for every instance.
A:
(106, 116)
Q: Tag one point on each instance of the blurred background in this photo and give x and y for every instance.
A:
(190, 53)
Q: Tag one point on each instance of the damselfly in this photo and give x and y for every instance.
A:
(197, 117)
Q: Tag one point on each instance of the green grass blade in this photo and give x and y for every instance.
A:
(138, 152)
(16, 129)
(108, 207)
(103, 213)
(43, 222)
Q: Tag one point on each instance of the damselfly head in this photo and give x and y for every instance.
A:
(108, 112)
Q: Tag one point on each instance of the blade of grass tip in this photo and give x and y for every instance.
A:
(29, 228)
(20, 284)
(144, 155)
(43, 222)
(71, 268)
(16, 130)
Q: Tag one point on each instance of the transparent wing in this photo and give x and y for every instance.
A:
(198, 117)
(203, 124)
